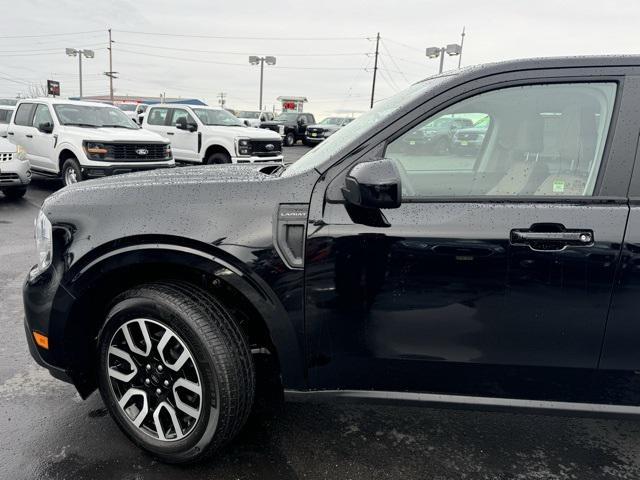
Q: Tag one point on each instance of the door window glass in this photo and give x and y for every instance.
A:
(42, 115)
(180, 113)
(530, 140)
(23, 114)
(157, 116)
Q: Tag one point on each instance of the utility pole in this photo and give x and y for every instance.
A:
(111, 74)
(375, 69)
(222, 99)
(461, 47)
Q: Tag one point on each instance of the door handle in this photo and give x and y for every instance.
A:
(170, 133)
(551, 237)
(10, 133)
(29, 136)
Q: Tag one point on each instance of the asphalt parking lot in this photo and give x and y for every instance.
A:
(49, 433)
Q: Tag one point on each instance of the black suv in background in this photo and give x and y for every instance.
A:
(363, 270)
(291, 125)
(323, 130)
(436, 136)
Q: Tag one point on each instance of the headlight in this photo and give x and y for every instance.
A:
(44, 244)
(243, 147)
(95, 150)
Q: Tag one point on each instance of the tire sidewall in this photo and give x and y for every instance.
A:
(218, 158)
(290, 140)
(14, 193)
(71, 162)
(201, 436)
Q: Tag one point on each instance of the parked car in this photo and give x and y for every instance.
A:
(5, 117)
(211, 135)
(79, 140)
(254, 118)
(15, 173)
(435, 136)
(315, 134)
(359, 272)
(467, 141)
(292, 126)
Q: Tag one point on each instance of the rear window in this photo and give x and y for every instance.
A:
(24, 114)
(157, 116)
(5, 115)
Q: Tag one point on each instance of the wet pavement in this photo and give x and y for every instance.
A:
(48, 432)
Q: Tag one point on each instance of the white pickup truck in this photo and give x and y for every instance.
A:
(211, 135)
(79, 140)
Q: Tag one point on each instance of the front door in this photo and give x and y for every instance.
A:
(495, 272)
(183, 142)
(42, 143)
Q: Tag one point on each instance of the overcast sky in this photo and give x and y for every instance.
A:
(342, 36)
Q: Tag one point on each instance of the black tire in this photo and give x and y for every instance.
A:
(13, 193)
(219, 351)
(71, 169)
(289, 140)
(218, 158)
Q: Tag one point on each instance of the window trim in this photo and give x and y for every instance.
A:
(33, 117)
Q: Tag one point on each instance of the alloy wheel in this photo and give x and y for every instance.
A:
(154, 379)
(70, 176)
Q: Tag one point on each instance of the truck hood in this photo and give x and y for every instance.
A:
(327, 128)
(250, 132)
(113, 134)
(275, 124)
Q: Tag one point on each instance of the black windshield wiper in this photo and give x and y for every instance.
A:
(89, 125)
(116, 126)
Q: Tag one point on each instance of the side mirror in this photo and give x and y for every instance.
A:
(181, 123)
(46, 127)
(302, 121)
(246, 122)
(192, 127)
(374, 184)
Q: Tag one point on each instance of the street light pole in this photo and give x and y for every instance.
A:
(255, 60)
(72, 52)
(452, 49)
(261, 81)
(80, 70)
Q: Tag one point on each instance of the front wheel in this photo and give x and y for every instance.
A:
(175, 372)
(71, 172)
(218, 158)
(289, 140)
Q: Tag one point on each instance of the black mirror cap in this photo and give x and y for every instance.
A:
(46, 127)
(181, 123)
(374, 184)
(192, 127)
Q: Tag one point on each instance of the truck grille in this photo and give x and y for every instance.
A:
(135, 152)
(6, 157)
(260, 148)
(8, 177)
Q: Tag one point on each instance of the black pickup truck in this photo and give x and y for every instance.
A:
(292, 126)
(504, 278)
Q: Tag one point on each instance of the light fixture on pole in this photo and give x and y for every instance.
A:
(452, 50)
(255, 60)
(73, 52)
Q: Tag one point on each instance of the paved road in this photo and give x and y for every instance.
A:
(47, 432)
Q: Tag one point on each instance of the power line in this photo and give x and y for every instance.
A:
(214, 62)
(51, 34)
(163, 34)
(245, 53)
(405, 45)
(394, 62)
(42, 50)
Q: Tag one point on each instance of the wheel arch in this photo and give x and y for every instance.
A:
(216, 148)
(65, 152)
(93, 284)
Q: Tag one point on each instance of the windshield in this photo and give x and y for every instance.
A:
(374, 117)
(248, 115)
(89, 116)
(127, 107)
(210, 116)
(288, 116)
